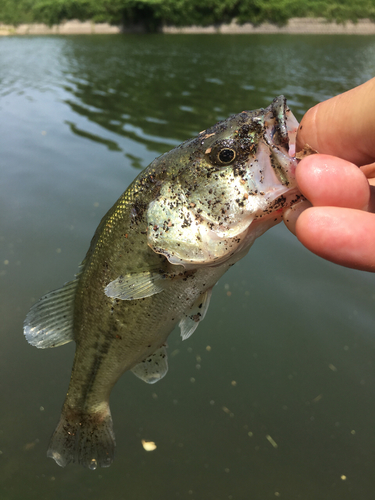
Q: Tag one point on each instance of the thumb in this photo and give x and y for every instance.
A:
(343, 126)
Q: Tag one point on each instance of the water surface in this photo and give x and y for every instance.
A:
(273, 396)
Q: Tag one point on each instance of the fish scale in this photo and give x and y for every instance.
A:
(153, 261)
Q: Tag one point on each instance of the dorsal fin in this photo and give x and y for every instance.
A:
(49, 322)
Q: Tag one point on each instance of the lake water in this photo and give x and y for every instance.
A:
(273, 396)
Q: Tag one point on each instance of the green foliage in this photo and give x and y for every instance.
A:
(153, 13)
(16, 11)
(54, 11)
(183, 12)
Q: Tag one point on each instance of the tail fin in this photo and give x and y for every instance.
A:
(83, 438)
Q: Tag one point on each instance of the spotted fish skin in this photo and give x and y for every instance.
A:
(152, 263)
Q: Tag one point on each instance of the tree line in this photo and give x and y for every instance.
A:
(154, 13)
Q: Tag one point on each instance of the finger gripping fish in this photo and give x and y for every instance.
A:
(152, 263)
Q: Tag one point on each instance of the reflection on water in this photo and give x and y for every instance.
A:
(273, 395)
(131, 88)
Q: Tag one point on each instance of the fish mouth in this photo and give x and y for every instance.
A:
(275, 152)
(280, 138)
(279, 131)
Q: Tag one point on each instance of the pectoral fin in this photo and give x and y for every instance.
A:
(153, 368)
(193, 316)
(49, 322)
(134, 286)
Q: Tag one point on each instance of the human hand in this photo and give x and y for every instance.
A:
(339, 222)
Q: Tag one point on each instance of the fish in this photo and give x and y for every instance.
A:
(153, 261)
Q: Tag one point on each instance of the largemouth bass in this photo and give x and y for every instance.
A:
(153, 261)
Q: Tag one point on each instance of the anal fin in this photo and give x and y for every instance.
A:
(153, 368)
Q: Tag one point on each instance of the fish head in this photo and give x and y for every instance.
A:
(225, 187)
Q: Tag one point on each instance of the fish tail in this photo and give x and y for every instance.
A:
(84, 438)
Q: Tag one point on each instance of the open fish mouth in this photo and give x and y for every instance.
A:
(280, 136)
(282, 125)
(276, 149)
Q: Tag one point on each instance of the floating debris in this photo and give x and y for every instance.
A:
(30, 446)
(148, 445)
(272, 441)
(227, 410)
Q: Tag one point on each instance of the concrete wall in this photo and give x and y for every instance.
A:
(73, 27)
(295, 26)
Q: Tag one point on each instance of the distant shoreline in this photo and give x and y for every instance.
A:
(295, 26)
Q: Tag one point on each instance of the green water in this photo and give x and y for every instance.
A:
(273, 396)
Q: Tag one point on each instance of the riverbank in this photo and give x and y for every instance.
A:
(295, 26)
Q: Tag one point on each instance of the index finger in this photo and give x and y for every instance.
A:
(343, 126)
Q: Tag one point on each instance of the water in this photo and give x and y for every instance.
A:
(273, 396)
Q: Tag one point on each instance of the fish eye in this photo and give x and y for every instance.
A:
(226, 156)
(222, 153)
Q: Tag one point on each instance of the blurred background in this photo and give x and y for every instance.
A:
(273, 396)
